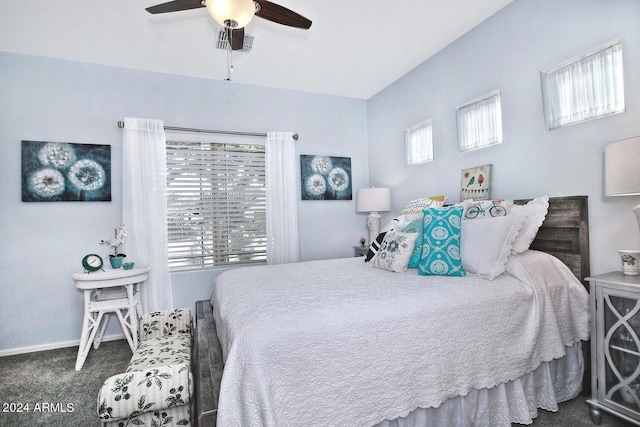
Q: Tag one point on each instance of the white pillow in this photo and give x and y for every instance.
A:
(399, 222)
(395, 251)
(418, 205)
(535, 212)
(396, 223)
(485, 246)
(482, 209)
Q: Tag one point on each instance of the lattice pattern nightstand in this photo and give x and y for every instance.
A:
(615, 346)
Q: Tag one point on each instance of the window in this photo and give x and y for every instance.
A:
(419, 143)
(480, 122)
(216, 204)
(584, 88)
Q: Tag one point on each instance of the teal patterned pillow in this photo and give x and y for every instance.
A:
(415, 227)
(441, 242)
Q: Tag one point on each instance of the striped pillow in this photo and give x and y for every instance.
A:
(418, 205)
(375, 247)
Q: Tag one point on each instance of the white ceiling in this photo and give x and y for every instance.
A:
(353, 48)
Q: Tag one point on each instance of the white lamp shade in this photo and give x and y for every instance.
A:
(231, 13)
(373, 200)
(622, 167)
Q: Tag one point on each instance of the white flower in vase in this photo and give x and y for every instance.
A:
(120, 237)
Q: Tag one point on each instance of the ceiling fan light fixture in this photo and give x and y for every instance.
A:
(231, 13)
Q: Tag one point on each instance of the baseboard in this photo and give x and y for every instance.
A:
(54, 346)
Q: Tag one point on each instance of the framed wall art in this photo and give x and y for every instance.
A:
(325, 177)
(64, 171)
(476, 183)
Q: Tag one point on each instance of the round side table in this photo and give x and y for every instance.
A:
(105, 292)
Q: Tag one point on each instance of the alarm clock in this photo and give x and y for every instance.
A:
(92, 262)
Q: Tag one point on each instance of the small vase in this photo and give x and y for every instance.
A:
(630, 262)
(116, 261)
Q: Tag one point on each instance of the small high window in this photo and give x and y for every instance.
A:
(419, 143)
(480, 122)
(585, 88)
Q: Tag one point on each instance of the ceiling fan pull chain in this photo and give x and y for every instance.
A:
(229, 56)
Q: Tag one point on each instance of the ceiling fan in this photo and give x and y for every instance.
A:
(235, 14)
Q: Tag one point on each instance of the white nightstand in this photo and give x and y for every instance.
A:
(360, 250)
(615, 346)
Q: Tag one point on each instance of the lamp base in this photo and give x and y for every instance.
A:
(373, 222)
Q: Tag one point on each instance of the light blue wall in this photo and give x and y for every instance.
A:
(507, 52)
(42, 244)
(54, 100)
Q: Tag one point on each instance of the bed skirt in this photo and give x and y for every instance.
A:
(514, 402)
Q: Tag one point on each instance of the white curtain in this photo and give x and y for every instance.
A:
(144, 207)
(419, 143)
(282, 200)
(588, 87)
(480, 123)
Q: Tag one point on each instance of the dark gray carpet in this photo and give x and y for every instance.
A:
(57, 395)
(574, 413)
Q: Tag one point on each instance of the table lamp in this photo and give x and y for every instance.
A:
(622, 169)
(622, 178)
(373, 200)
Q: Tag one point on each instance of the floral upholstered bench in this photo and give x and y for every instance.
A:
(157, 386)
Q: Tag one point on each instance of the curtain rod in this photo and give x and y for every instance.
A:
(225, 132)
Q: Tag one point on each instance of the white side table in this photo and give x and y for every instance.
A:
(105, 292)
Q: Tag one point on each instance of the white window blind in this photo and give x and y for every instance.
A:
(584, 88)
(419, 143)
(216, 204)
(480, 122)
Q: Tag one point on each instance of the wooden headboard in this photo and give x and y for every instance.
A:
(565, 233)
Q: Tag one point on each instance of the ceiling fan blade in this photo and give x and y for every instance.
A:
(174, 6)
(281, 15)
(236, 38)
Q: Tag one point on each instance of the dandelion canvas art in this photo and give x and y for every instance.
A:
(325, 177)
(64, 171)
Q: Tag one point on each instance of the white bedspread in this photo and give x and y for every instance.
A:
(339, 342)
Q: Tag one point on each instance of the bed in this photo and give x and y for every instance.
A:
(338, 342)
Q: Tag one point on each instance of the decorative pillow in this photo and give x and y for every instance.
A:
(486, 245)
(479, 209)
(417, 206)
(535, 212)
(399, 222)
(396, 223)
(441, 242)
(375, 246)
(395, 251)
(415, 226)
